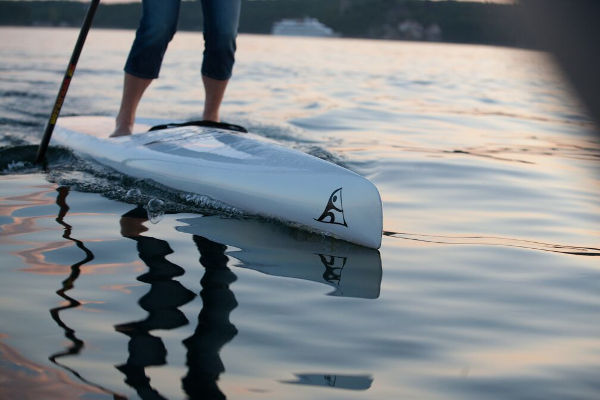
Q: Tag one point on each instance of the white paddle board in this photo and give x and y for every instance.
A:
(242, 170)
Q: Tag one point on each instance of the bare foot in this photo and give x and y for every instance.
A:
(121, 130)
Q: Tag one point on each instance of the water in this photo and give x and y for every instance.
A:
(486, 286)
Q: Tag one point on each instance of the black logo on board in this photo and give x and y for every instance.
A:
(334, 211)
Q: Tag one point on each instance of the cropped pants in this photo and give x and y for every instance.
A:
(159, 23)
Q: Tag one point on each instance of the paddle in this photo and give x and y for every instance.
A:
(60, 98)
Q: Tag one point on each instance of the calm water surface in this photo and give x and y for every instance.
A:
(487, 285)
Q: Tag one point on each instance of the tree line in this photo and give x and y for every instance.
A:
(461, 22)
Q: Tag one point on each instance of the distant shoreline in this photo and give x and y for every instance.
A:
(414, 20)
(73, 28)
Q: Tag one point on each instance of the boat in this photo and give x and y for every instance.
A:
(302, 27)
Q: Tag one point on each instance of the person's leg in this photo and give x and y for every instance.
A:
(214, 91)
(133, 89)
(157, 27)
(221, 18)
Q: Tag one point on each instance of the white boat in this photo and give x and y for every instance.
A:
(302, 27)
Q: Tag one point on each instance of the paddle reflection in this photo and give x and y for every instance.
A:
(68, 284)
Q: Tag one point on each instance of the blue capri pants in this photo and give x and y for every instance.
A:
(159, 23)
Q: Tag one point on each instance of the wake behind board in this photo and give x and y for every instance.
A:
(242, 170)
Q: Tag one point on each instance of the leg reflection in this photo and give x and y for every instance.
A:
(162, 303)
(214, 329)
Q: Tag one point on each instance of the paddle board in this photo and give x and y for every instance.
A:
(242, 170)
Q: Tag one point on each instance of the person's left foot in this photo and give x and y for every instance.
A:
(121, 130)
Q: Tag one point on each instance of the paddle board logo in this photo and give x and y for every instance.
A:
(334, 211)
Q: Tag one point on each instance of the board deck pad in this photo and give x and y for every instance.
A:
(242, 170)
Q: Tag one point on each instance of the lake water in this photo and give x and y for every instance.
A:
(487, 285)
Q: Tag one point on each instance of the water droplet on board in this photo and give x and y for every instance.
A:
(155, 210)
(133, 194)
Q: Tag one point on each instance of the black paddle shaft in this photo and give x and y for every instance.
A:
(62, 93)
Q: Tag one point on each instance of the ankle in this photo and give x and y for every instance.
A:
(211, 116)
(122, 128)
(124, 120)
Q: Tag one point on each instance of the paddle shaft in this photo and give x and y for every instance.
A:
(62, 93)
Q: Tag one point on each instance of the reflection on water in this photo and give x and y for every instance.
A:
(162, 303)
(24, 379)
(214, 329)
(351, 270)
(359, 382)
(76, 344)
